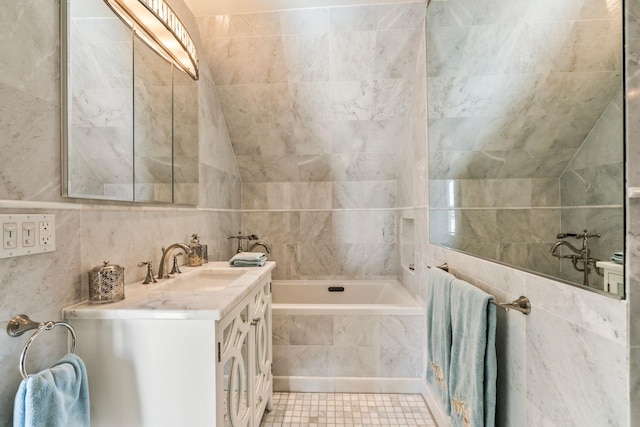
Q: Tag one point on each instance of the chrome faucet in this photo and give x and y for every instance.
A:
(249, 238)
(263, 244)
(164, 260)
(557, 244)
(580, 255)
(240, 238)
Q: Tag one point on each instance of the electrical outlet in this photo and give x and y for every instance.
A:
(46, 233)
(27, 234)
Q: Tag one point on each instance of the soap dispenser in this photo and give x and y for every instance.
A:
(194, 258)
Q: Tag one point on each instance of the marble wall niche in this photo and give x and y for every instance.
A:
(41, 285)
(518, 101)
(317, 102)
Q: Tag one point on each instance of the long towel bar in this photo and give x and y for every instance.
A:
(522, 304)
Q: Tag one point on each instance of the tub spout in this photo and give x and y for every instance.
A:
(556, 245)
(263, 244)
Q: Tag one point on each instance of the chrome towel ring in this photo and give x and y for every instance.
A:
(21, 323)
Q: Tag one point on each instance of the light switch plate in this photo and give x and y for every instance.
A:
(27, 234)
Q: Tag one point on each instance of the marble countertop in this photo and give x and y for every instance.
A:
(161, 300)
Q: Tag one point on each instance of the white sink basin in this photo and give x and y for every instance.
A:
(203, 281)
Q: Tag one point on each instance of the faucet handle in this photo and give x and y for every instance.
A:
(175, 269)
(563, 235)
(586, 234)
(149, 278)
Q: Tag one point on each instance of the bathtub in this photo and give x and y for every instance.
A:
(346, 336)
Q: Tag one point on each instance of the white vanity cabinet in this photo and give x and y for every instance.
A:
(613, 277)
(182, 364)
(244, 358)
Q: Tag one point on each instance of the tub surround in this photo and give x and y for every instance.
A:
(365, 296)
(169, 299)
(329, 346)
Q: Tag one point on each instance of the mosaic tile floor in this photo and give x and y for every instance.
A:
(347, 409)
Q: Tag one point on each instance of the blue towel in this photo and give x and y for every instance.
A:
(248, 259)
(618, 257)
(438, 315)
(473, 370)
(55, 397)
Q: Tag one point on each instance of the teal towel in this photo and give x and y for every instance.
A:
(54, 397)
(473, 370)
(248, 259)
(618, 257)
(438, 315)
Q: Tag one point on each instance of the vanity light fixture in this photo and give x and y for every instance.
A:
(160, 28)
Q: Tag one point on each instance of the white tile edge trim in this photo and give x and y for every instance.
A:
(441, 418)
(37, 204)
(633, 192)
(301, 384)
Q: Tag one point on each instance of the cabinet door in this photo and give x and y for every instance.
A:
(263, 379)
(233, 359)
(614, 283)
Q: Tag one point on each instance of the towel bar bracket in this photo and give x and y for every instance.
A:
(21, 323)
(522, 304)
(444, 267)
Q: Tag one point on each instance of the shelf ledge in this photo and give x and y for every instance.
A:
(633, 192)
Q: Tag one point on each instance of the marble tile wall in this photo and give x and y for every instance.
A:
(317, 103)
(152, 121)
(86, 232)
(632, 268)
(101, 57)
(510, 103)
(592, 189)
(347, 346)
(500, 146)
(517, 221)
(551, 363)
(328, 244)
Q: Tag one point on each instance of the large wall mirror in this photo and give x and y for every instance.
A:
(131, 122)
(526, 135)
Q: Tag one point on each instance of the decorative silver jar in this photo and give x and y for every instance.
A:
(106, 284)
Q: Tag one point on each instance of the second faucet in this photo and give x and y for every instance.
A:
(249, 238)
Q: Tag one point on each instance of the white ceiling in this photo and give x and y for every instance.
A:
(230, 7)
